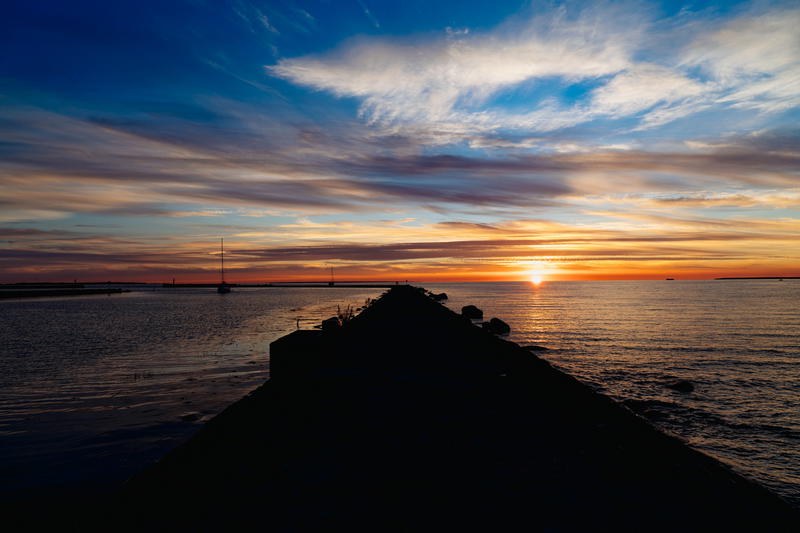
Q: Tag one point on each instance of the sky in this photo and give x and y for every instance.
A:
(411, 140)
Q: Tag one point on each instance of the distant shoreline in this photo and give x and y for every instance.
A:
(763, 277)
(344, 285)
(43, 293)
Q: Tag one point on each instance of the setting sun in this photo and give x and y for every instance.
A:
(536, 271)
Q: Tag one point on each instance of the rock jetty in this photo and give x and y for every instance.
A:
(411, 418)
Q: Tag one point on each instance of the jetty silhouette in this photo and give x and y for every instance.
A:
(410, 418)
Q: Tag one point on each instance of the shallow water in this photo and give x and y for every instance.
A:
(738, 342)
(92, 388)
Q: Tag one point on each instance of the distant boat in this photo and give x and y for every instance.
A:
(670, 279)
(223, 287)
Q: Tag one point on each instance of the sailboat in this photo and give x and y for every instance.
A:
(222, 288)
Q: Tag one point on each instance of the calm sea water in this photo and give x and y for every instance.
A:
(93, 388)
(737, 341)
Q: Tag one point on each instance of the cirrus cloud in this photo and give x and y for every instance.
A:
(445, 85)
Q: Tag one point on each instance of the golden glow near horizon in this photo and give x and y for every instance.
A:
(539, 271)
(651, 247)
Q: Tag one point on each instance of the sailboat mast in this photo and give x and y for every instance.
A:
(221, 261)
(223, 287)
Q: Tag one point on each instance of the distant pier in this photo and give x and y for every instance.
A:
(50, 292)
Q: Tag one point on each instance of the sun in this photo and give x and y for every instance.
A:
(537, 272)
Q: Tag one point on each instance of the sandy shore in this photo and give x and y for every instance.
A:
(410, 418)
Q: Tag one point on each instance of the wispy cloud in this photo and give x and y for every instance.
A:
(55, 165)
(369, 14)
(445, 83)
(755, 59)
(443, 80)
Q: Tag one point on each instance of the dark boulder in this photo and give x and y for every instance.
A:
(442, 296)
(497, 327)
(681, 386)
(472, 312)
(534, 348)
(331, 323)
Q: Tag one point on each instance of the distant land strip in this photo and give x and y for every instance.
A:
(41, 293)
(322, 284)
(767, 277)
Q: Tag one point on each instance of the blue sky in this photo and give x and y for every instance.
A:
(463, 140)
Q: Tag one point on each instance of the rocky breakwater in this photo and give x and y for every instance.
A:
(411, 418)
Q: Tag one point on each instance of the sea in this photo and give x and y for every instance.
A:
(94, 388)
